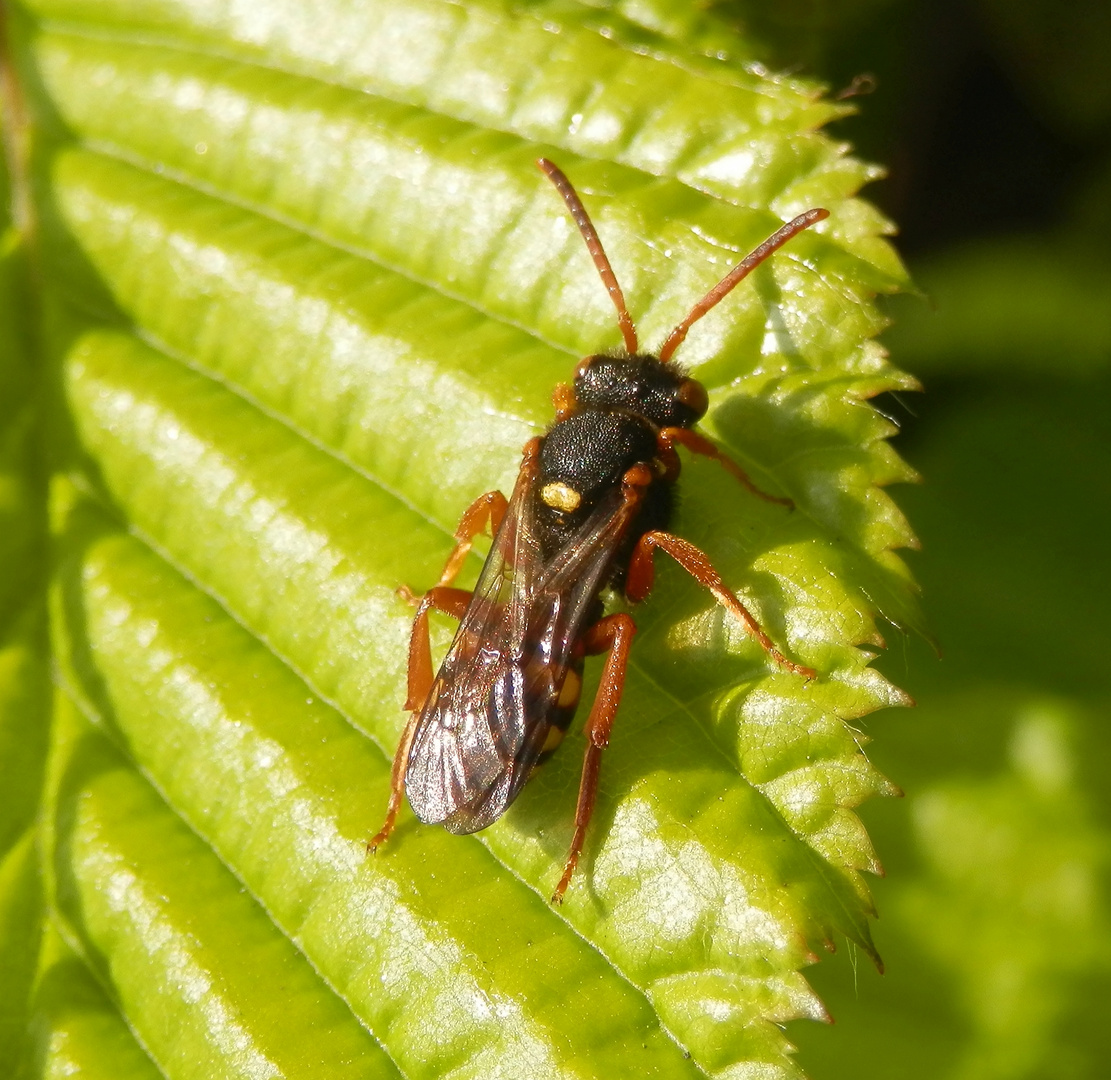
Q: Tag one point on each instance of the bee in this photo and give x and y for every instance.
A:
(590, 507)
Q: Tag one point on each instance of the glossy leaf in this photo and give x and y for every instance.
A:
(308, 297)
(77, 1031)
(184, 948)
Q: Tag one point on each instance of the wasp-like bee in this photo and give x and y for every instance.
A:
(592, 503)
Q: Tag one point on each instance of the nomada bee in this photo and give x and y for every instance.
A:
(590, 507)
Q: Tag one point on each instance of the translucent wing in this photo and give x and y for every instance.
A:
(496, 695)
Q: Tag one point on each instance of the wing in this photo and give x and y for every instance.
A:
(495, 697)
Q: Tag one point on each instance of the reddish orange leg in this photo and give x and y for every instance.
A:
(451, 602)
(397, 784)
(699, 444)
(486, 509)
(642, 573)
(563, 398)
(490, 508)
(613, 634)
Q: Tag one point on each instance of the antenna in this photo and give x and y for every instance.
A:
(738, 274)
(597, 252)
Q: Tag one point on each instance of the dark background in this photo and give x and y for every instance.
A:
(992, 116)
(994, 119)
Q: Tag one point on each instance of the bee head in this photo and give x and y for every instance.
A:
(642, 385)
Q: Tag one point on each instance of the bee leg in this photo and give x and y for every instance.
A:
(397, 783)
(638, 584)
(699, 444)
(613, 634)
(488, 509)
(451, 602)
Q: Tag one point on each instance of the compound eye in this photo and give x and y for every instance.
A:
(584, 367)
(693, 394)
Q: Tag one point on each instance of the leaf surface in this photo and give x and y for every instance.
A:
(77, 1030)
(308, 297)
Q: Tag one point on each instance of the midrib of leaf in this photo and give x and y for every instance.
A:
(608, 334)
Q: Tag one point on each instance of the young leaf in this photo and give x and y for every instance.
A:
(309, 296)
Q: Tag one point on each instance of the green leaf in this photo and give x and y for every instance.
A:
(997, 920)
(1021, 304)
(77, 1030)
(201, 705)
(308, 297)
(184, 949)
(24, 664)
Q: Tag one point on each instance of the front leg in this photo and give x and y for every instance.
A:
(642, 573)
(699, 444)
(486, 509)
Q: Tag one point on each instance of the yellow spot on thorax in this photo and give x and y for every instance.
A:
(559, 496)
